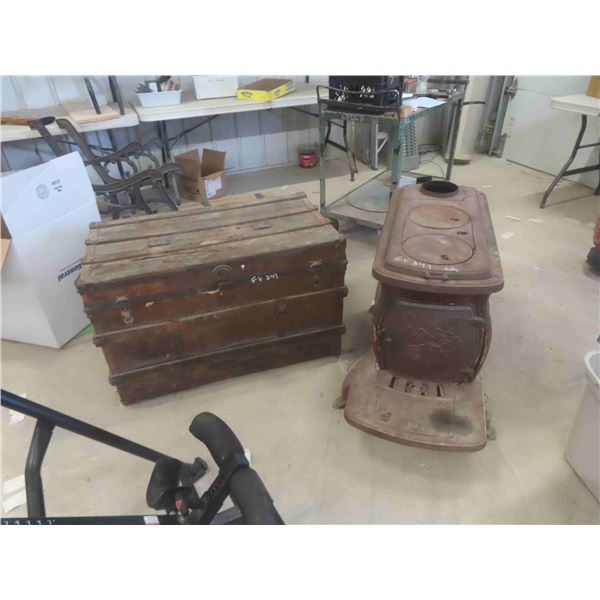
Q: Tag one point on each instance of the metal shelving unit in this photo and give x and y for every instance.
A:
(367, 205)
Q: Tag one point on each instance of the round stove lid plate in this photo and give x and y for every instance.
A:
(439, 216)
(437, 249)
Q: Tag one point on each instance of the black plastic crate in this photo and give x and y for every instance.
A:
(373, 94)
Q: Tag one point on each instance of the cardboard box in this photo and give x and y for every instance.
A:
(5, 242)
(46, 212)
(215, 86)
(593, 88)
(202, 179)
(266, 89)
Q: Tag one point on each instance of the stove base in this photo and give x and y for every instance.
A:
(439, 416)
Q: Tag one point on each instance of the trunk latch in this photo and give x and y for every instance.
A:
(124, 307)
(315, 267)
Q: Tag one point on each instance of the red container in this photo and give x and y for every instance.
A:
(307, 156)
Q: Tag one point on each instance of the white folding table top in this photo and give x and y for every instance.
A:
(13, 133)
(578, 103)
(190, 107)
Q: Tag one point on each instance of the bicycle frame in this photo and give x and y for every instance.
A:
(47, 420)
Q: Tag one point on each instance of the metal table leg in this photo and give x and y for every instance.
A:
(159, 131)
(348, 150)
(111, 137)
(92, 94)
(163, 136)
(166, 141)
(328, 133)
(165, 151)
(454, 125)
(116, 93)
(324, 129)
(396, 155)
(351, 148)
(563, 171)
(374, 145)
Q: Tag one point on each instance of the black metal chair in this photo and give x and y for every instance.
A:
(111, 187)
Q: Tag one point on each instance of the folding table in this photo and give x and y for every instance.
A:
(584, 106)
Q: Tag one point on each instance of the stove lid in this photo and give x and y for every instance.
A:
(439, 237)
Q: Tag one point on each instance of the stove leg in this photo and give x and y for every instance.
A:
(490, 429)
(339, 402)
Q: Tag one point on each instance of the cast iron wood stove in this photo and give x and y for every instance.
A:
(437, 263)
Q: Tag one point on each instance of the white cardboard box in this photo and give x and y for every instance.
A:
(215, 86)
(46, 212)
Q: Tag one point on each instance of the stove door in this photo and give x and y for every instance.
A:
(430, 341)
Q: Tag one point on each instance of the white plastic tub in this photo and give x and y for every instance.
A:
(583, 449)
(150, 99)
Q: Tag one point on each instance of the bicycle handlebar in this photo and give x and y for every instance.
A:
(247, 489)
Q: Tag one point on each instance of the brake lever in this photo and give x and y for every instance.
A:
(183, 500)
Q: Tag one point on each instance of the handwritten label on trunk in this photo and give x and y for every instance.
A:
(263, 278)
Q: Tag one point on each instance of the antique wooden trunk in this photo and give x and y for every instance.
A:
(182, 299)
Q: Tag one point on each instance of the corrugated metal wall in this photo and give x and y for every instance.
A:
(252, 140)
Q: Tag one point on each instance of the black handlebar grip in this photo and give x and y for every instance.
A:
(246, 487)
(252, 498)
(217, 436)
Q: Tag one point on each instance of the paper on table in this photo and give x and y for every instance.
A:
(423, 102)
(82, 112)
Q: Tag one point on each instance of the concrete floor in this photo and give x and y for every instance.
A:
(319, 469)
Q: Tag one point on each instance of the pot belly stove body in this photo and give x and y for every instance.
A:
(437, 264)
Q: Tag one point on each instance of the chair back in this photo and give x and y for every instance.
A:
(85, 149)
